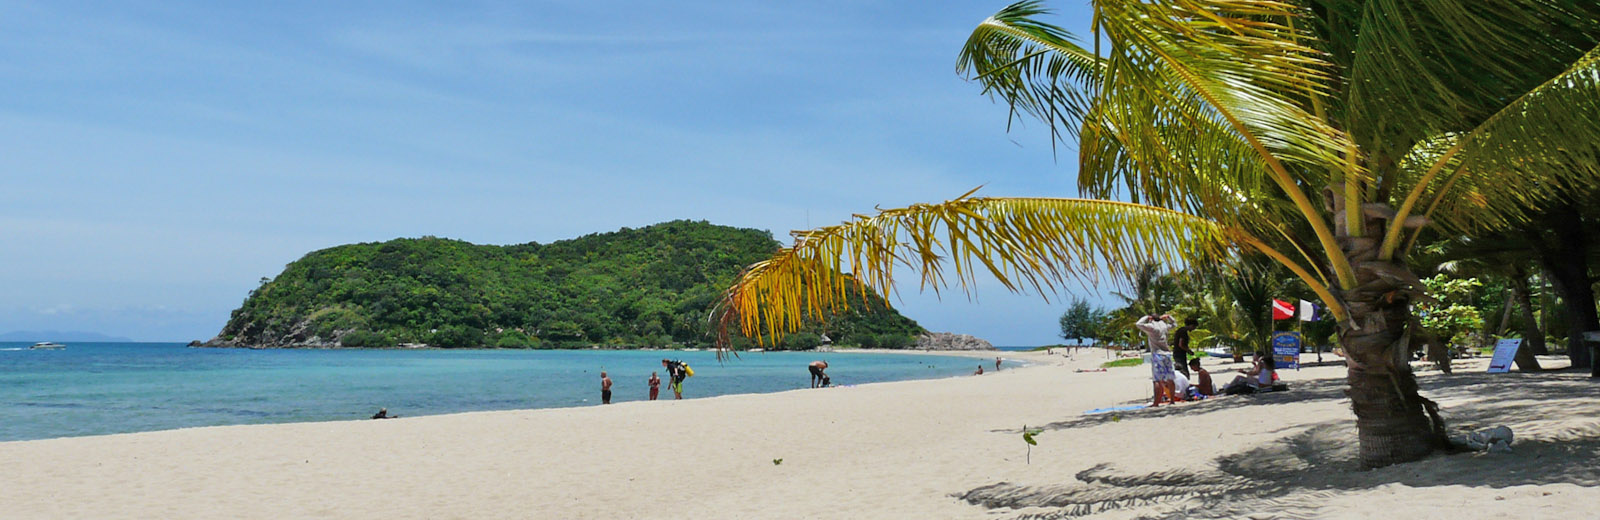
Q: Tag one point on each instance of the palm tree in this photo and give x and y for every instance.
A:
(1324, 134)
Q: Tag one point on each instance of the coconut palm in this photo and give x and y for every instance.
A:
(1324, 134)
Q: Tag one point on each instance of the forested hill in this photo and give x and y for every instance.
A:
(651, 286)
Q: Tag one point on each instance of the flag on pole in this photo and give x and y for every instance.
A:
(1308, 311)
(1282, 310)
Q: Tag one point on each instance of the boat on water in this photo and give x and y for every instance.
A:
(47, 345)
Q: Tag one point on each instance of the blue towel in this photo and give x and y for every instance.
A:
(1116, 409)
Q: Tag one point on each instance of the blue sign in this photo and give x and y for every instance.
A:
(1286, 349)
(1505, 351)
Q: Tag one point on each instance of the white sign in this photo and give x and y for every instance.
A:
(1505, 351)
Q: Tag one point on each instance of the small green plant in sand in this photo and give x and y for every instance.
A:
(1129, 362)
(776, 462)
(1027, 436)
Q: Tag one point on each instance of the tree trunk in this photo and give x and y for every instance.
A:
(1394, 423)
(1566, 260)
(1526, 360)
(1532, 333)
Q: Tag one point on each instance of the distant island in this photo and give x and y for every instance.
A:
(61, 335)
(647, 287)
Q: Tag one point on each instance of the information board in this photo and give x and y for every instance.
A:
(1286, 349)
(1505, 351)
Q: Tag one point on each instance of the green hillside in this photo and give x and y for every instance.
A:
(651, 286)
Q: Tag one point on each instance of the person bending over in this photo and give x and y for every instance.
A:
(817, 375)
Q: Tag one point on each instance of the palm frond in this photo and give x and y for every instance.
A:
(1450, 63)
(1037, 244)
(1539, 148)
(1197, 108)
(1035, 66)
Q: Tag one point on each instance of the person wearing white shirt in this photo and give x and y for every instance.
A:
(1155, 329)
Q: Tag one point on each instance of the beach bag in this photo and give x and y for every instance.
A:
(687, 372)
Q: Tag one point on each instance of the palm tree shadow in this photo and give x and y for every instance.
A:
(1553, 416)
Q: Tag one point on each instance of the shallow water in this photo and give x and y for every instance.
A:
(101, 388)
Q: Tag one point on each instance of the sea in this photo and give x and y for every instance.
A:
(106, 388)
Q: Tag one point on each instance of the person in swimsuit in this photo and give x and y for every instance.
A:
(655, 386)
(979, 372)
(605, 388)
(383, 413)
(996, 364)
(816, 372)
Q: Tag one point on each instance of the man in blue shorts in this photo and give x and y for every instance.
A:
(1155, 329)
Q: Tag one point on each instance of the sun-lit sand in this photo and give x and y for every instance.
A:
(948, 448)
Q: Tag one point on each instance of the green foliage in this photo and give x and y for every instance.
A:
(800, 341)
(1082, 321)
(1452, 318)
(367, 339)
(1125, 362)
(651, 286)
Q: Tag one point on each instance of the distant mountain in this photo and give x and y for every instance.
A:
(651, 286)
(59, 335)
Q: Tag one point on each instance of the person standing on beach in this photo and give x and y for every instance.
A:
(1155, 329)
(997, 364)
(1180, 345)
(655, 386)
(605, 388)
(675, 376)
(817, 375)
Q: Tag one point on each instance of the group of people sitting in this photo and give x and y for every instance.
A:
(1172, 381)
(1194, 383)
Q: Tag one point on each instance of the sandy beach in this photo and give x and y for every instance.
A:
(948, 448)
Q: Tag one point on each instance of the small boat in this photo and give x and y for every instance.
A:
(47, 345)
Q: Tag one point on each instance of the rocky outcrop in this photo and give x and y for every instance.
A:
(951, 341)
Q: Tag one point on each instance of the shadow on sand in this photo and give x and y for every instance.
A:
(1554, 416)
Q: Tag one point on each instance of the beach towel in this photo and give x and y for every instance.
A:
(1128, 408)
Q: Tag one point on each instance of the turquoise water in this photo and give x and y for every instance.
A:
(101, 388)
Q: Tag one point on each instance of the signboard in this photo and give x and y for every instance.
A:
(1505, 351)
(1286, 349)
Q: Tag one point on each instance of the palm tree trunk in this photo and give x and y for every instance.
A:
(1565, 259)
(1532, 333)
(1394, 423)
(1532, 338)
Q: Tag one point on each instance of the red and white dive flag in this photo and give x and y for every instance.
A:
(1282, 310)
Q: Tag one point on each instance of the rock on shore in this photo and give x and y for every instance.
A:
(951, 341)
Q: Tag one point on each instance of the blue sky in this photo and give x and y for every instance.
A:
(162, 157)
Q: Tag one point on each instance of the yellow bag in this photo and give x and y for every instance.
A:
(687, 372)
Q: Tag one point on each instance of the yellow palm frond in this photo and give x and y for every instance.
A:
(1025, 243)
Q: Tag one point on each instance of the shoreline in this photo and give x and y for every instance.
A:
(939, 448)
(545, 406)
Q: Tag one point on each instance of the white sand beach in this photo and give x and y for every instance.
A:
(947, 448)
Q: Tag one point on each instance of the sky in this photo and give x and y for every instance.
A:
(163, 157)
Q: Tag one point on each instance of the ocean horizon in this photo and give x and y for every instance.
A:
(108, 388)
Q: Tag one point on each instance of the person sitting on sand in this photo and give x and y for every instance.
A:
(1202, 379)
(826, 381)
(605, 388)
(655, 386)
(1155, 329)
(383, 413)
(1180, 386)
(816, 368)
(675, 376)
(1257, 377)
(979, 372)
